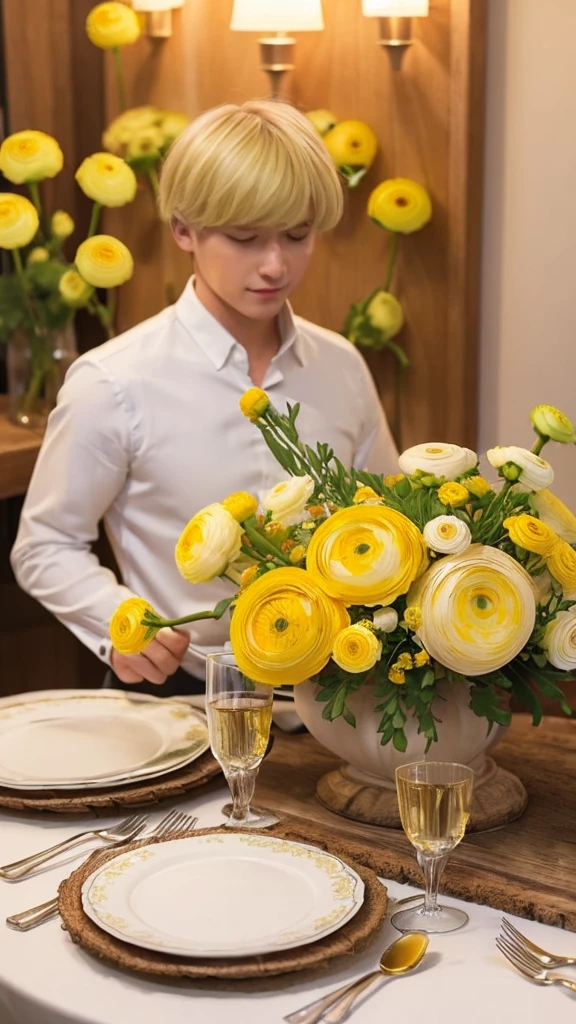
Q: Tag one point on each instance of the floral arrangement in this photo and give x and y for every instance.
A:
(46, 289)
(351, 579)
(140, 135)
(351, 144)
(400, 207)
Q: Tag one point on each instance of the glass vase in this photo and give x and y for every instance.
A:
(36, 367)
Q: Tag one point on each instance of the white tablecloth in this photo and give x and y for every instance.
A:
(46, 979)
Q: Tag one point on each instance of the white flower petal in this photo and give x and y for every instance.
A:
(448, 535)
(438, 458)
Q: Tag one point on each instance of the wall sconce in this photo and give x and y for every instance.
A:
(395, 21)
(279, 17)
(158, 15)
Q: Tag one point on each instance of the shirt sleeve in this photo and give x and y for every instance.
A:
(81, 468)
(375, 450)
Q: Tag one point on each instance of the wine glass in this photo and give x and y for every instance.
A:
(239, 718)
(434, 799)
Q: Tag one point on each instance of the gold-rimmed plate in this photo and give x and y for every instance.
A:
(223, 895)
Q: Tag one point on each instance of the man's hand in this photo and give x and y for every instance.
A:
(157, 661)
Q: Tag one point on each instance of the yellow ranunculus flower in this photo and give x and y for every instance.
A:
(478, 486)
(288, 499)
(146, 142)
(254, 403)
(478, 610)
(413, 617)
(393, 478)
(240, 505)
(400, 205)
(385, 312)
(367, 554)
(356, 649)
(18, 221)
(284, 626)
(531, 534)
(367, 494)
(61, 225)
(397, 675)
(207, 544)
(555, 514)
(112, 24)
(248, 576)
(453, 494)
(74, 289)
(562, 565)
(297, 554)
(351, 144)
(172, 124)
(126, 631)
(405, 661)
(38, 255)
(550, 422)
(107, 179)
(30, 156)
(104, 261)
(421, 658)
(123, 128)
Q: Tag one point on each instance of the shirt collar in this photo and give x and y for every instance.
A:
(216, 342)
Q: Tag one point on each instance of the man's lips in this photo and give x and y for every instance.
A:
(265, 291)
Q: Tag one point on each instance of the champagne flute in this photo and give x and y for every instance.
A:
(239, 718)
(434, 799)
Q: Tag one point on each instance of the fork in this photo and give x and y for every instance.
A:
(20, 868)
(172, 823)
(544, 958)
(526, 965)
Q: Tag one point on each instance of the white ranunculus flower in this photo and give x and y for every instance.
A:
(386, 619)
(478, 610)
(448, 535)
(560, 640)
(287, 500)
(208, 543)
(535, 474)
(438, 459)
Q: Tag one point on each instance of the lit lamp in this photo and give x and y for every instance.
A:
(395, 20)
(158, 15)
(279, 17)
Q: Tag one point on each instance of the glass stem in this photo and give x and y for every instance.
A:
(432, 868)
(242, 785)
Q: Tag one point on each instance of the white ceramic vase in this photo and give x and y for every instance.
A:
(463, 737)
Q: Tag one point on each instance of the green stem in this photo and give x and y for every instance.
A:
(97, 309)
(111, 310)
(35, 194)
(17, 256)
(154, 181)
(392, 261)
(94, 219)
(161, 623)
(539, 444)
(119, 77)
(263, 545)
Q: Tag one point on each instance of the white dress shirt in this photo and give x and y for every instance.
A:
(146, 432)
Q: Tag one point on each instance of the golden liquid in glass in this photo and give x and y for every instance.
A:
(434, 817)
(239, 730)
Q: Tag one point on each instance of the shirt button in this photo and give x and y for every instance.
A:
(102, 650)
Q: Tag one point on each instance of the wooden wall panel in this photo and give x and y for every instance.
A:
(429, 120)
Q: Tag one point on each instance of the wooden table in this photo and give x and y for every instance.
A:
(19, 449)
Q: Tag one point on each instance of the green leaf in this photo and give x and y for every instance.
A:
(349, 717)
(399, 740)
(221, 607)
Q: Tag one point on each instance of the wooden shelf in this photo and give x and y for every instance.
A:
(19, 449)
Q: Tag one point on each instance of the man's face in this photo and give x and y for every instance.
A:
(251, 270)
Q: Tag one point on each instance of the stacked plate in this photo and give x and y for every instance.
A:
(222, 895)
(94, 739)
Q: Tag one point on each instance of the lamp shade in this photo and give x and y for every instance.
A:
(149, 6)
(395, 8)
(277, 16)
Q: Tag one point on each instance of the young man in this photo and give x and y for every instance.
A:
(147, 429)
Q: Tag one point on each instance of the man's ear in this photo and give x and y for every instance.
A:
(184, 235)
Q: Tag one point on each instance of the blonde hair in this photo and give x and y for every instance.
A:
(261, 164)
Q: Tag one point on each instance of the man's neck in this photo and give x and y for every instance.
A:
(260, 338)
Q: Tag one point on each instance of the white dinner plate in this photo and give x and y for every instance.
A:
(222, 895)
(95, 738)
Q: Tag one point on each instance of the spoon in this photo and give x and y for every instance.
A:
(402, 956)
